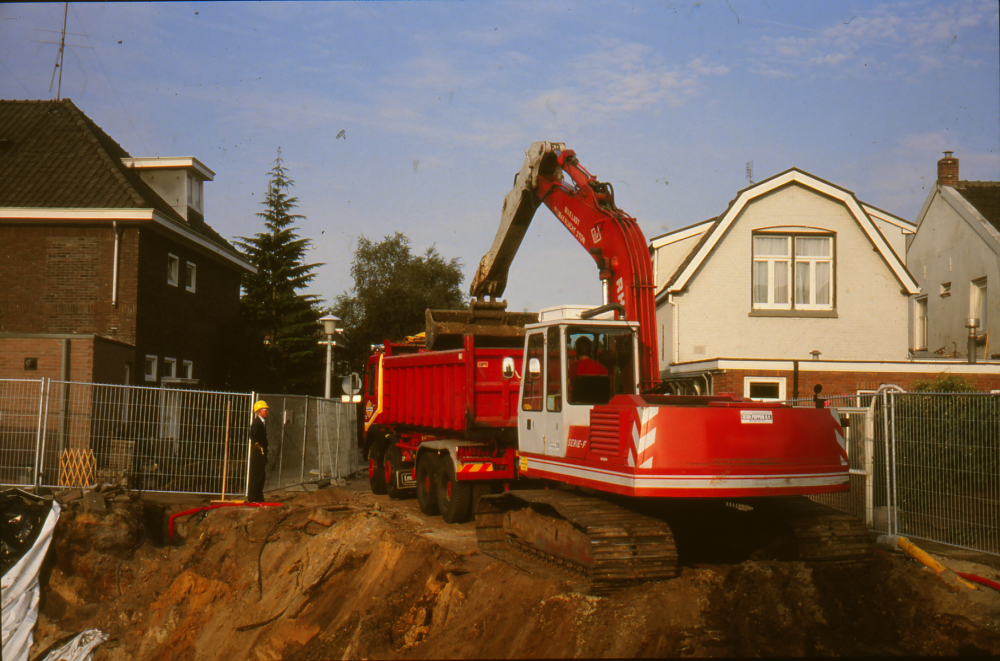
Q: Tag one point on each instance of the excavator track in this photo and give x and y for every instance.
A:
(821, 533)
(594, 545)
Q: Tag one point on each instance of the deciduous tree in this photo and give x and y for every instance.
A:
(392, 289)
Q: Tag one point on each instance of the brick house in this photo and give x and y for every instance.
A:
(797, 283)
(108, 270)
(955, 257)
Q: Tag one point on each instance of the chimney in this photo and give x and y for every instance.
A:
(948, 170)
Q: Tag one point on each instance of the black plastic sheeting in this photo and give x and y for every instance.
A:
(21, 517)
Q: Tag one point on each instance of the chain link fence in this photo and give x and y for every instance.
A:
(65, 434)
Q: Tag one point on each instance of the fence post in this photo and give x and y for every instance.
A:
(246, 483)
(39, 436)
(869, 459)
(894, 514)
(305, 442)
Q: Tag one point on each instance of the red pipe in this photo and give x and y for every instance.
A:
(979, 579)
(212, 507)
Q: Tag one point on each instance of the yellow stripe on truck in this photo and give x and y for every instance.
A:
(475, 468)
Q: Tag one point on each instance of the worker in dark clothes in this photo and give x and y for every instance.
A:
(258, 453)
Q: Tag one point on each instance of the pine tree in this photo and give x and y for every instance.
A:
(283, 355)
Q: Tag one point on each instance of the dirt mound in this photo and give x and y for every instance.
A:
(334, 574)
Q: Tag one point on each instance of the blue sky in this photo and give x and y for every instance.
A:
(438, 100)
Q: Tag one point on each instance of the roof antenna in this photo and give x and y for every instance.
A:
(59, 57)
(750, 171)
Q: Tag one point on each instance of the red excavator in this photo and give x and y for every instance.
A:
(552, 430)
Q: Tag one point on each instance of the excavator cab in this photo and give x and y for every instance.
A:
(572, 365)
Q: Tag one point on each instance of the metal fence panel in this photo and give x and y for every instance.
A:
(20, 420)
(946, 467)
(310, 439)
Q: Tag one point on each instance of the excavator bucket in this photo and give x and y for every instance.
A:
(488, 321)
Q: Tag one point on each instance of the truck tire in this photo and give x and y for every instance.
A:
(427, 468)
(392, 463)
(454, 497)
(376, 476)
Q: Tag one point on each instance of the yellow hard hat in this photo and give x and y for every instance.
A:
(260, 404)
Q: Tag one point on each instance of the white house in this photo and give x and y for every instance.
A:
(796, 269)
(955, 257)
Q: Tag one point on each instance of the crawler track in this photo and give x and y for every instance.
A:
(822, 534)
(621, 547)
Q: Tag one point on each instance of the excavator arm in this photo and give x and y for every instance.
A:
(518, 209)
(586, 207)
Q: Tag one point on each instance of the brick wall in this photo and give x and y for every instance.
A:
(59, 280)
(48, 351)
(835, 383)
(180, 324)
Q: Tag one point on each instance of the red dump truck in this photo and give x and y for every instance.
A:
(452, 391)
(533, 421)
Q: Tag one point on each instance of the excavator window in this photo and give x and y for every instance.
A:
(533, 391)
(599, 364)
(554, 372)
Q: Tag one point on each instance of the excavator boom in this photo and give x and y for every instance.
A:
(587, 209)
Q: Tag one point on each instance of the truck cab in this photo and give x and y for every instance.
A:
(572, 364)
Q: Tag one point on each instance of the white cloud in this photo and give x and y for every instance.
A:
(910, 39)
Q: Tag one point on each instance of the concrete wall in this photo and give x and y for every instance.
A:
(714, 321)
(948, 248)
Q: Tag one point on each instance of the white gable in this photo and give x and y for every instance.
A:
(864, 221)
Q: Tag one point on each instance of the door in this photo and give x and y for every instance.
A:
(530, 433)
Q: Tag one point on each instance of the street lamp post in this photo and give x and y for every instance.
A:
(330, 324)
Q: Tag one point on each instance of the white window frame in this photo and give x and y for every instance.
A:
(151, 374)
(791, 261)
(169, 368)
(772, 262)
(813, 262)
(979, 302)
(188, 368)
(173, 269)
(920, 323)
(192, 268)
(781, 381)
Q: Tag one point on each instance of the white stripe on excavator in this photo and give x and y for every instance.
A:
(687, 481)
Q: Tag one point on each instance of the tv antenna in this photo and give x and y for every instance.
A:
(750, 171)
(62, 50)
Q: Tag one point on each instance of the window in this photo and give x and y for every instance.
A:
(920, 324)
(169, 368)
(553, 401)
(532, 379)
(792, 272)
(151, 368)
(977, 302)
(173, 265)
(599, 364)
(764, 388)
(945, 289)
(190, 276)
(188, 369)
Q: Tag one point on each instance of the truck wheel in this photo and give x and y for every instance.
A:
(427, 468)
(376, 476)
(393, 462)
(454, 497)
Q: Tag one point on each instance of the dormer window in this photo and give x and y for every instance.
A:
(194, 192)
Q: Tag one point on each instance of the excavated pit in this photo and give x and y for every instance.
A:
(345, 574)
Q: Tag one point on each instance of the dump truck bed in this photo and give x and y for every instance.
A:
(453, 391)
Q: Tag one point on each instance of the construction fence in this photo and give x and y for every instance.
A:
(923, 465)
(64, 434)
